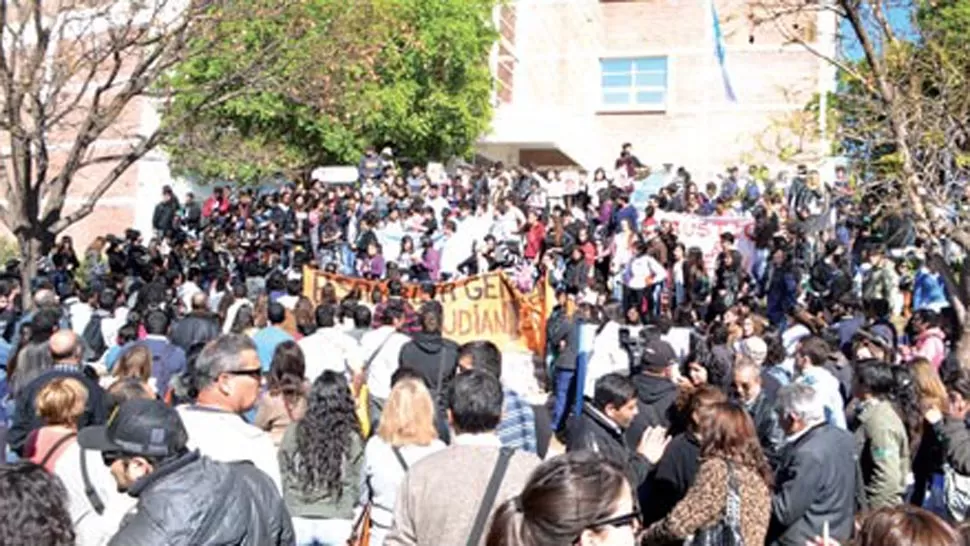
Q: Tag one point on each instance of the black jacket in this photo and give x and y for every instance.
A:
(562, 336)
(596, 432)
(770, 435)
(193, 329)
(815, 483)
(195, 501)
(26, 420)
(425, 353)
(164, 215)
(674, 475)
(657, 396)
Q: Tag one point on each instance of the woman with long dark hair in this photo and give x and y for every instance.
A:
(320, 459)
(285, 399)
(579, 498)
(733, 467)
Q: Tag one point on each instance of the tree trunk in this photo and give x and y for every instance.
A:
(34, 243)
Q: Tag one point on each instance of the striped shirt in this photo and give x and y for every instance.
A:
(518, 426)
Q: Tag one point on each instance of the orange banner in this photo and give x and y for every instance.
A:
(482, 307)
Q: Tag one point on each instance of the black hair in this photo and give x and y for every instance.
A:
(294, 287)
(475, 400)
(959, 382)
(401, 374)
(324, 438)
(275, 312)
(156, 322)
(563, 497)
(326, 316)
(33, 507)
(430, 320)
(614, 390)
(484, 354)
(874, 377)
(362, 317)
(395, 288)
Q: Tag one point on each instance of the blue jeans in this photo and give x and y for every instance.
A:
(564, 379)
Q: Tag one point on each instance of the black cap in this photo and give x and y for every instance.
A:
(657, 354)
(138, 427)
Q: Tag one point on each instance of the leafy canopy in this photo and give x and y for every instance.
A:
(409, 73)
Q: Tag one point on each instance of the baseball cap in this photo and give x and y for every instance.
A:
(657, 354)
(138, 427)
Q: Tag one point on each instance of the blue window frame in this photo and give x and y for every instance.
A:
(633, 82)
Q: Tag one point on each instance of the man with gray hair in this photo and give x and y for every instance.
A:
(228, 378)
(816, 478)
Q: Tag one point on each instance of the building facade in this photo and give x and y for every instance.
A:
(578, 78)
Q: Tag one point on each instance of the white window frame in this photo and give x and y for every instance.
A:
(633, 89)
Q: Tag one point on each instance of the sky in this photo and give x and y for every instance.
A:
(899, 19)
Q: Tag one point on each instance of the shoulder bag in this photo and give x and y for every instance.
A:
(57, 445)
(485, 509)
(727, 530)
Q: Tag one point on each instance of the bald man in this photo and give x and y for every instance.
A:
(65, 350)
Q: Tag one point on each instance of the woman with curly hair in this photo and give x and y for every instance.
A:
(733, 485)
(676, 470)
(321, 458)
(33, 507)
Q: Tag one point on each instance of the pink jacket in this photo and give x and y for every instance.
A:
(930, 345)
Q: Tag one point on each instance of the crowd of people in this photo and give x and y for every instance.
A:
(187, 391)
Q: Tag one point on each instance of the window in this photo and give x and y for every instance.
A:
(634, 83)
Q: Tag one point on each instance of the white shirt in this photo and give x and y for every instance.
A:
(231, 314)
(80, 314)
(607, 357)
(225, 437)
(186, 291)
(330, 349)
(385, 358)
(455, 250)
(288, 301)
(643, 268)
(383, 473)
(92, 529)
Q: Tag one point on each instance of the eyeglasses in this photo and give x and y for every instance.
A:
(255, 373)
(632, 519)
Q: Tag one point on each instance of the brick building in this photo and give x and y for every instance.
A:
(577, 78)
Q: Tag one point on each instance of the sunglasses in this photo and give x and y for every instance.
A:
(109, 457)
(256, 373)
(633, 519)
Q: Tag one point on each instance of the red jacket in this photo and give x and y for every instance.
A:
(533, 240)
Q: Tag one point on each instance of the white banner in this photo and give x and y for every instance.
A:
(704, 232)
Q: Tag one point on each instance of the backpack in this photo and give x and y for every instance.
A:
(93, 338)
(956, 493)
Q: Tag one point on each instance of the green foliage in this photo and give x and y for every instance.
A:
(409, 73)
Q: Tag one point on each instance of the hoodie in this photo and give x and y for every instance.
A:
(426, 353)
(656, 395)
(930, 345)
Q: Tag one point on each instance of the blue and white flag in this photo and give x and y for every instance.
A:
(720, 52)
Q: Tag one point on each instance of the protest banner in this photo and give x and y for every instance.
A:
(704, 232)
(483, 307)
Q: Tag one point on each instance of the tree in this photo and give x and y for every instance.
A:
(410, 73)
(903, 108)
(70, 73)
